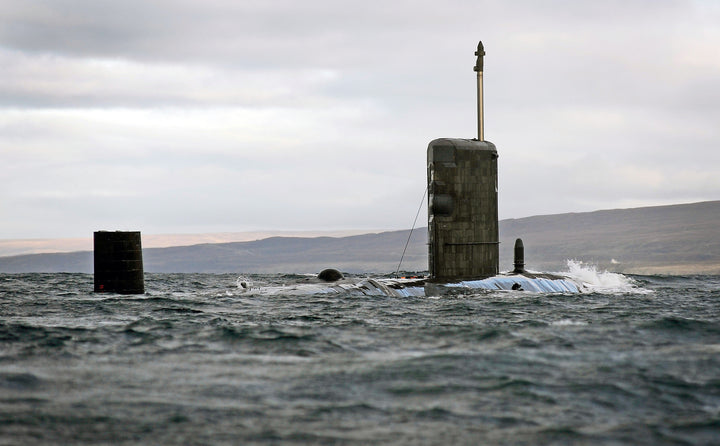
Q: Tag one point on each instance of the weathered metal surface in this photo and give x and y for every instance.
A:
(480, 53)
(462, 207)
(519, 260)
(118, 262)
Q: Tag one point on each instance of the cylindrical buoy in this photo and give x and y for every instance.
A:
(118, 262)
(519, 257)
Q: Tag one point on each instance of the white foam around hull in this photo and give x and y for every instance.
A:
(414, 287)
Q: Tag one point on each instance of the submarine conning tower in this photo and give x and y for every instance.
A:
(463, 239)
(462, 209)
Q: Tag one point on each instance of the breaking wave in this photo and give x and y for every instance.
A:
(601, 281)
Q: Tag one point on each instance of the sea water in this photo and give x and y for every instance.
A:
(199, 359)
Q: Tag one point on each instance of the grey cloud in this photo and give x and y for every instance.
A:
(569, 52)
(245, 114)
(247, 34)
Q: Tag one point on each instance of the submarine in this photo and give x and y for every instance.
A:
(463, 236)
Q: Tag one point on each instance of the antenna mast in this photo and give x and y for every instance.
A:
(480, 53)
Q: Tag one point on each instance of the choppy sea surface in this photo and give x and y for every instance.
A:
(198, 359)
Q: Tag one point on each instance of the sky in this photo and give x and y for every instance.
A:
(201, 116)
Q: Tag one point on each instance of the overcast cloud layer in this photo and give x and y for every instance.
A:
(225, 115)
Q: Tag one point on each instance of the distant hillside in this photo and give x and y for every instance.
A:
(680, 239)
(362, 253)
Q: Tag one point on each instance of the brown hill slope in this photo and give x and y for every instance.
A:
(679, 239)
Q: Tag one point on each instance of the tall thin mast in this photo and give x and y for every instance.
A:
(479, 69)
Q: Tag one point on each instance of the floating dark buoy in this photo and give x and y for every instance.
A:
(330, 275)
(519, 257)
(118, 262)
